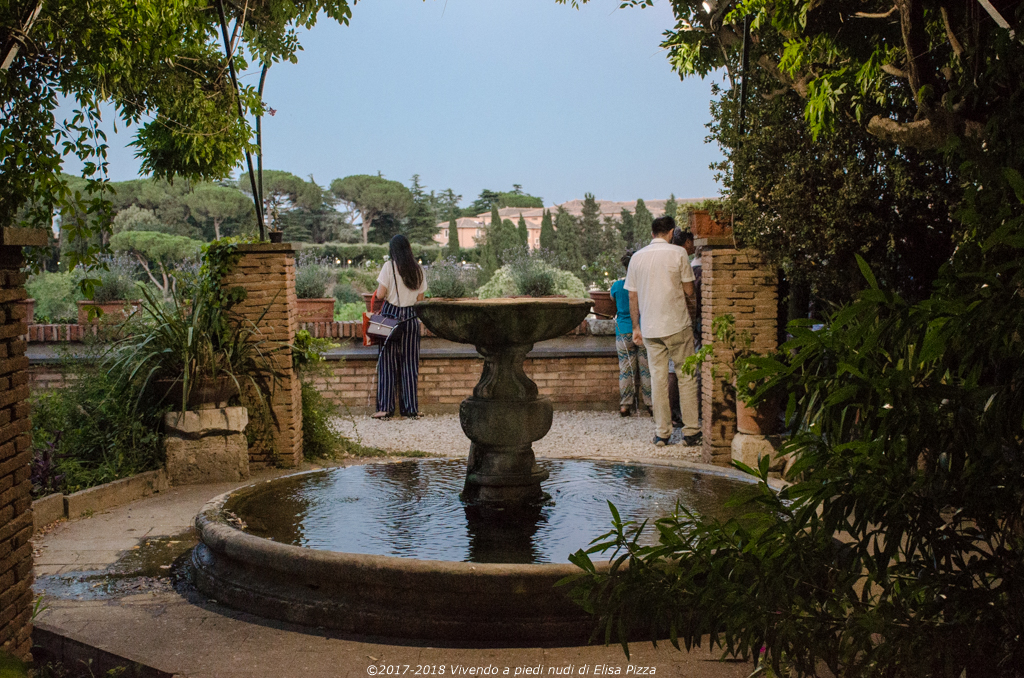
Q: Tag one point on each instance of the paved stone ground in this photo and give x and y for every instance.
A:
(143, 619)
(573, 434)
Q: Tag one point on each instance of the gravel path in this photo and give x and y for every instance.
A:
(573, 434)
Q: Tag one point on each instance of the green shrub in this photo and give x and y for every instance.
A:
(55, 295)
(896, 549)
(319, 440)
(447, 279)
(532, 274)
(347, 312)
(312, 277)
(118, 281)
(97, 432)
(345, 294)
(361, 279)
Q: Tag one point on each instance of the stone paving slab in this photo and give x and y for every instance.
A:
(191, 636)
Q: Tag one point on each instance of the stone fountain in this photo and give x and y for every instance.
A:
(390, 549)
(505, 414)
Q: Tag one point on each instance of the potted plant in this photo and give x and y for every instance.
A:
(446, 279)
(313, 275)
(115, 298)
(757, 404)
(531, 276)
(599, 276)
(195, 353)
(708, 219)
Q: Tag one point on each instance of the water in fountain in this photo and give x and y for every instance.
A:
(413, 509)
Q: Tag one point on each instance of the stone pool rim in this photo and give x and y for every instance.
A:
(393, 596)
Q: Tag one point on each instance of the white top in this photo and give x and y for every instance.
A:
(402, 296)
(657, 273)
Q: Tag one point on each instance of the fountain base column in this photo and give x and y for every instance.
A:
(502, 468)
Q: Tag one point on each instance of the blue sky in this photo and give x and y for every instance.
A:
(474, 94)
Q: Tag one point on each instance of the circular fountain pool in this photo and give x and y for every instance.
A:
(413, 510)
(390, 549)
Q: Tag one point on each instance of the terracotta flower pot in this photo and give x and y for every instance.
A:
(703, 225)
(367, 296)
(113, 311)
(315, 310)
(759, 420)
(604, 305)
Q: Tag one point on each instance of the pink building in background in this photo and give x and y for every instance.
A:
(472, 228)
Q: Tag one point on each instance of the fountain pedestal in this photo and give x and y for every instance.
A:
(505, 415)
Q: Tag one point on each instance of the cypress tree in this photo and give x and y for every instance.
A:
(524, 232)
(671, 207)
(590, 230)
(642, 220)
(626, 226)
(567, 242)
(547, 233)
(613, 243)
(453, 249)
(506, 241)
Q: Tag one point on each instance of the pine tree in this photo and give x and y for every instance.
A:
(524, 232)
(671, 207)
(642, 220)
(420, 222)
(590, 230)
(567, 242)
(547, 233)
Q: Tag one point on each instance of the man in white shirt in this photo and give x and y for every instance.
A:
(661, 298)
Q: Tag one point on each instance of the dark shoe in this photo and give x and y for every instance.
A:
(694, 440)
(660, 442)
(623, 411)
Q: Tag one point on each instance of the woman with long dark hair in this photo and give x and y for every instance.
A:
(401, 284)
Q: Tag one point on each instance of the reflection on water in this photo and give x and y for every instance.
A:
(412, 509)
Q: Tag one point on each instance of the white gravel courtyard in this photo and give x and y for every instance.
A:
(588, 435)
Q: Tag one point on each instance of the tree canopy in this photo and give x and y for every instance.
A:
(501, 199)
(213, 206)
(163, 70)
(157, 253)
(372, 196)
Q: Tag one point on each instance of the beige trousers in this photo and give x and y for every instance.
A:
(659, 350)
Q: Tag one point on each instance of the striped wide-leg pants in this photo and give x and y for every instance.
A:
(398, 363)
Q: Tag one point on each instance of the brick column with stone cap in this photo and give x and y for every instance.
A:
(266, 272)
(15, 453)
(736, 282)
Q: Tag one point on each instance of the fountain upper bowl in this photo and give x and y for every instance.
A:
(502, 321)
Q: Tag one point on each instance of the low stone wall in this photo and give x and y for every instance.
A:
(349, 329)
(571, 383)
(575, 372)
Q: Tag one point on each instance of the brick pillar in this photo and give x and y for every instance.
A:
(267, 273)
(736, 282)
(15, 452)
